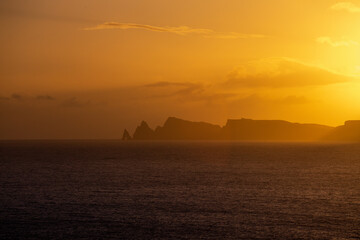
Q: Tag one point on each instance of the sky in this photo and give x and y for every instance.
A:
(90, 68)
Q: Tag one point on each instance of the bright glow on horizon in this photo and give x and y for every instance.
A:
(89, 68)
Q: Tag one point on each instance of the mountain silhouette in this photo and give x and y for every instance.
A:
(246, 130)
(349, 132)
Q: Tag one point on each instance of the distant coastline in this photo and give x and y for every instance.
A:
(246, 130)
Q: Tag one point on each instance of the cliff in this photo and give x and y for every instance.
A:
(349, 132)
(144, 132)
(235, 129)
(178, 129)
(273, 130)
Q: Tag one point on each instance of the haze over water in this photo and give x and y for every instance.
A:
(176, 81)
(178, 190)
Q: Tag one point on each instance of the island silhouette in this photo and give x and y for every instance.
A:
(246, 130)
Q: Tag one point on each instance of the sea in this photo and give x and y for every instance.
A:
(102, 189)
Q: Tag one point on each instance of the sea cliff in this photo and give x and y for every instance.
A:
(246, 130)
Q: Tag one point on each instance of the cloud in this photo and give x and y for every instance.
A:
(346, 6)
(258, 99)
(216, 94)
(185, 92)
(27, 98)
(44, 97)
(17, 96)
(182, 30)
(341, 43)
(4, 98)
(294, 100)
(280, 73)
(168, 84)
(174, 89)
(75, 103)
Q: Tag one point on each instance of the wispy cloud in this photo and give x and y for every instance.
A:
(346, 6)
(294, 100)
(169, 84)
(282, 73)
(182, 30)
(4, 98)
(26, 97)
(74, 102)
(175, 89)
(17, 96)
(340, 43)
(45, 97)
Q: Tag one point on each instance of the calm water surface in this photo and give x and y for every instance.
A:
(178, 190)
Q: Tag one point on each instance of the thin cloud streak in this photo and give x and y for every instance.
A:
(182, 30)
(346, 6)
(333, 43)
(45, 97)
(282, 73)
(169, 84)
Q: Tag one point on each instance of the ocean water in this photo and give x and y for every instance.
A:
(178, 190)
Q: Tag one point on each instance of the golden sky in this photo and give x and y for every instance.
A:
(89, 68)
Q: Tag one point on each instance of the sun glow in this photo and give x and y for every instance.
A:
(128, 60)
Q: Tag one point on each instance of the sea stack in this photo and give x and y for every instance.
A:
(126, 136)
(144, 132)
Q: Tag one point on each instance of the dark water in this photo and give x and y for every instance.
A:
(196, 190)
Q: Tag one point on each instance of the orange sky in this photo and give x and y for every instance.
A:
(89, 68)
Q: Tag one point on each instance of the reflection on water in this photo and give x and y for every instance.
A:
(210, 190)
